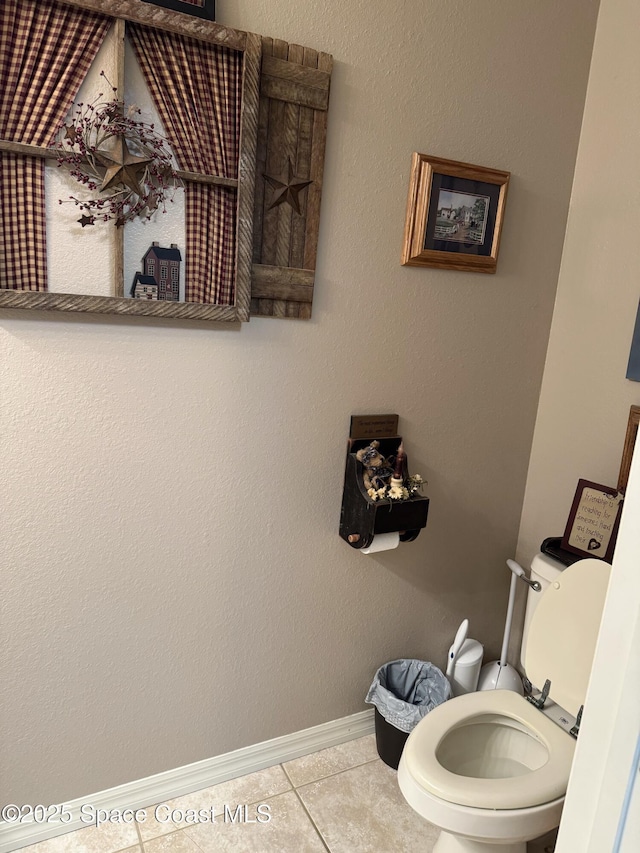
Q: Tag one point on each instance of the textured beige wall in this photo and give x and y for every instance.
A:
(585, 397)
(174, 583)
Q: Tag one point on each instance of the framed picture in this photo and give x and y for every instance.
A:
(454, 215)
(592, 527)
(199, 8)
(633, 366)
(629, 443)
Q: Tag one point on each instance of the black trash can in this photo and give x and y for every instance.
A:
(403, 692)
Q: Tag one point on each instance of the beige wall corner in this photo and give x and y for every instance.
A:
(585, 397)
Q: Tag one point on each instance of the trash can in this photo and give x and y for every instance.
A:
(403, 692)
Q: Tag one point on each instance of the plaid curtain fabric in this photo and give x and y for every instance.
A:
(45, 52)
(196, 88)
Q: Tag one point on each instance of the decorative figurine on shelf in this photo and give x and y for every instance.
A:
(379, 495)
(161, 276)
(144, 287)
(376, 470)
(397, 490)
(384, 479)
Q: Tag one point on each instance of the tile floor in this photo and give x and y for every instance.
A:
(343, 799)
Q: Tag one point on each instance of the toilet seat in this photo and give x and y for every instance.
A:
(545, 747)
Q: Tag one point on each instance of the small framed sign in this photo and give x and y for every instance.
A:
(199, 8)
(593, 522)
(373, 426)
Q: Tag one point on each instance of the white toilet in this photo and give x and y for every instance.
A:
(491, 768)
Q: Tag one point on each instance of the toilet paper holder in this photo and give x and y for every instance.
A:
(361, 517)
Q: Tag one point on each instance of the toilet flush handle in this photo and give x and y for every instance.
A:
(517, 570)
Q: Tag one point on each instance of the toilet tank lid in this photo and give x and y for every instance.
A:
(564, 629)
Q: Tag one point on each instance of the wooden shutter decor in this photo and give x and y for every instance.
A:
(292, 126)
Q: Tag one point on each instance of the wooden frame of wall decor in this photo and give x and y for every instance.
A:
(440, 234)
(199, 8)
(208, 31)
(633, 424)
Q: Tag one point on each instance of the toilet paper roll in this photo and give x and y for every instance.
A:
(382, 542)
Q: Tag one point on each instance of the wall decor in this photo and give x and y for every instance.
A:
(454, 216)
(249, 195)
(593, 522)
(216, 156)
(381, 501)
(629, 443)
(199, 8)
(633, 366)
(98, 148)
(160, 279)
(292, 130)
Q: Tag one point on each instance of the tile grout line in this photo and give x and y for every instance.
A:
(293, 788)
(184, 830)
(306, 811)
(140, 841)
(330, 775)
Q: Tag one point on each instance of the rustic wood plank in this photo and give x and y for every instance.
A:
(289, 142)
(165, 19)
(325, 62)
(629, 444)
(54, 153)
(286, 214)
(291, 92)
(282, 283)
(295, 70)
(118, 237)
(247, 173)
(38, 301)
(275, 165)
(293, 310)
(305, 311)
(303, 168)
(30, 150)
(195, 178)
(261, 163)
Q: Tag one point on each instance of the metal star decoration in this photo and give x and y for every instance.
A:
(122, 166)
(287, 188)
(86, 220)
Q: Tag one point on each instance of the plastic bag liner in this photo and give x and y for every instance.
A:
(404, 691)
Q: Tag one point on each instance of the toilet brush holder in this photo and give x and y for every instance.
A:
(494, 676)
(466, 668)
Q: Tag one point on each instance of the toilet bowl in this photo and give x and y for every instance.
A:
(491, 768)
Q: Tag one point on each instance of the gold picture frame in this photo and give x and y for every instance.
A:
(454, 216)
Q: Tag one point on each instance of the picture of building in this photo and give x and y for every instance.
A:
(161, 274)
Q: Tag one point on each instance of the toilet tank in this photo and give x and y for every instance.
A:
(545, 570)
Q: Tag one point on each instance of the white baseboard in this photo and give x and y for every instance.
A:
(193, 777)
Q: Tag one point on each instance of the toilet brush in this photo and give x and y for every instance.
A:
(500, 675)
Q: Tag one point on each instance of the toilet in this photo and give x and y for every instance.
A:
(491, 768)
